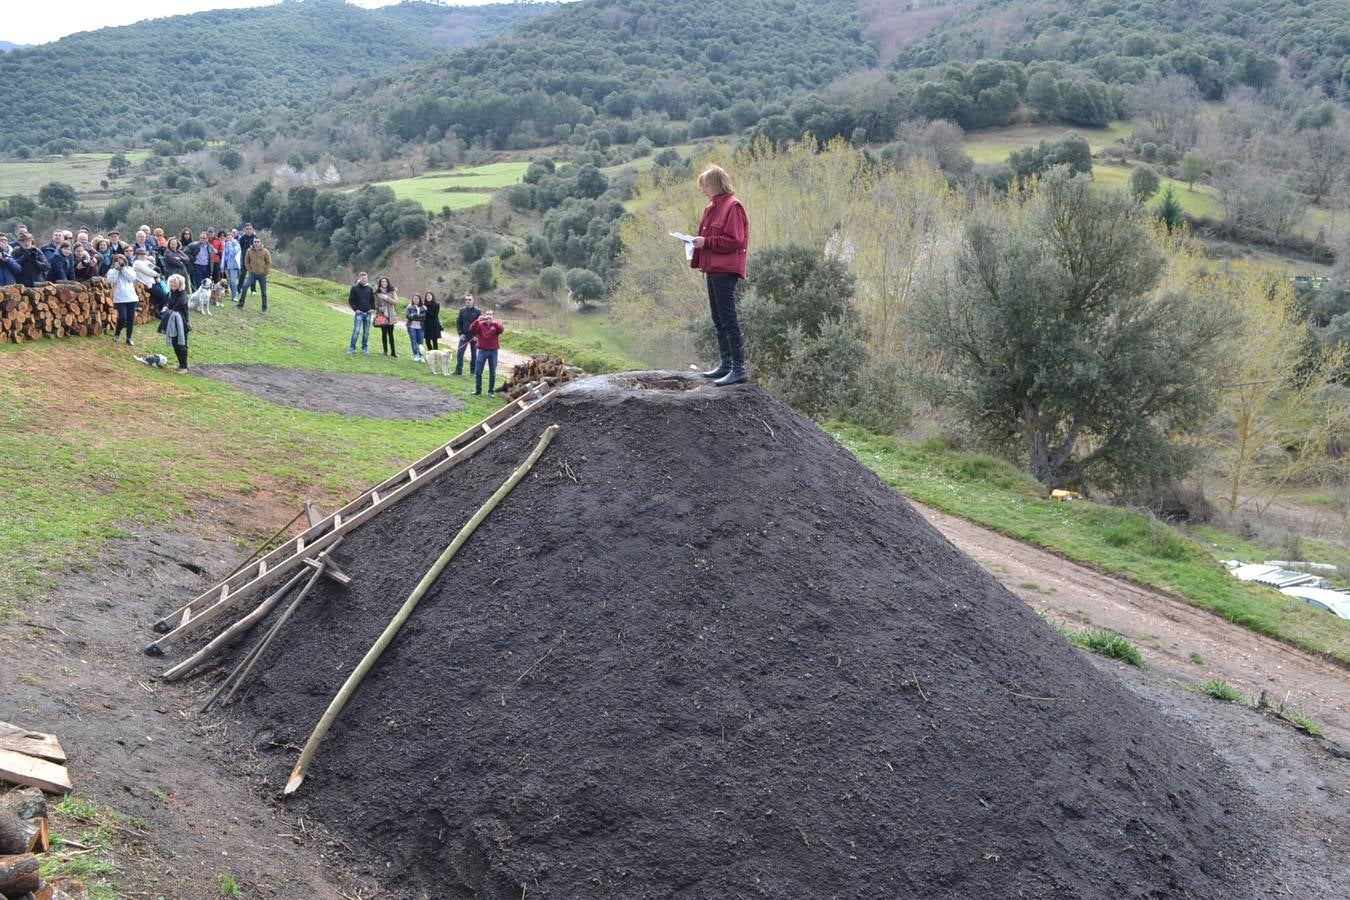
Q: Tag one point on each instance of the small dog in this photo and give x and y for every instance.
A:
(154, 360)
(200, 301)
(220, 292)
(441, 357)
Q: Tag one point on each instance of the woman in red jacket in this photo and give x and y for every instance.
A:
(719, 252)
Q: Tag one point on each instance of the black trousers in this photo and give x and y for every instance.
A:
(387, 340)
(180, 351)
(126, 319)
(722, 302)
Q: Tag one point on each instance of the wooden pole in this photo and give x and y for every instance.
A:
(229, 634)
(387, 636)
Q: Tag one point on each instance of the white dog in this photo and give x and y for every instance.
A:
(441, 357)
(200, 301)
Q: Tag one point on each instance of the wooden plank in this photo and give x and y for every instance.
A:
(29, 771)
(312, 514)
(243, 592)
(33, 743)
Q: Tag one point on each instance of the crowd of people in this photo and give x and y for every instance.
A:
(233, 262)
(378, 304)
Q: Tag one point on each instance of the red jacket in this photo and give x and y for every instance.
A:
(725, 230)
(487, 332)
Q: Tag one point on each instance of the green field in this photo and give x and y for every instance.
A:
(1202, 202)
(458, 188)
(82, 171)
(992, 145)
(87, 457)
(1120, 541)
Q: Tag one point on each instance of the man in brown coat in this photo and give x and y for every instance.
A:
(258, 264)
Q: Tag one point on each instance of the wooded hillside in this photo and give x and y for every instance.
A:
(211, 69)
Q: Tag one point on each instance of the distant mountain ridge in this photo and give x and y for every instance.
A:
(212, 68)
(6, 46)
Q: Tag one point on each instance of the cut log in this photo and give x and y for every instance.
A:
(18, 874)
(14, 834)
(33, 743)
(29, 771)
(26, 803)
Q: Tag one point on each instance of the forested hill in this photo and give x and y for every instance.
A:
(611, 61)
(208, 69)
(1219, 44)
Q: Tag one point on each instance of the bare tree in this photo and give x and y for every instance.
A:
(1171, 107)
(1325, 154)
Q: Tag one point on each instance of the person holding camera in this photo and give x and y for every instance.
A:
(122, 277)
(32, 262)
(487, 331)
(87, 265)
(9, 266)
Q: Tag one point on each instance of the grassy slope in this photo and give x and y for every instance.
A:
(458, 188)
(94, 441)
(82, 171)
(1119, 541)
(992, 145)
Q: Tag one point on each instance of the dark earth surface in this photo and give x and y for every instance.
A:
(424, 811)
(700, 651)
(369, 396)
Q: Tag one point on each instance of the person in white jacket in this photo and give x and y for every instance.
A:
(148, 275)
(122, 277)
(232, 260)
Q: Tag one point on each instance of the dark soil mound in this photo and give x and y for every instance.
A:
(702, 652)
(371, 396)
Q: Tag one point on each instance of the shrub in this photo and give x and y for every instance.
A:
(1221, 690)
(482, 277)
(1105, 642)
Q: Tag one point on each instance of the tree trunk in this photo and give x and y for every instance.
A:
(14, 835)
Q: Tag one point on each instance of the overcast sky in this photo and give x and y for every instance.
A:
(31, 22)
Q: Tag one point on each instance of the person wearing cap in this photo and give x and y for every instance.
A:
(32, 261)
(115, 245)
(468, 314)
(258, 263)
(487, 330)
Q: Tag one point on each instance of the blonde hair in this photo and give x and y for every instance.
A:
(718, 178)
(177, 283)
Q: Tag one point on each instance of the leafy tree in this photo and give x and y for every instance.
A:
(1071, 151)
(795, 287)
(472, 248)
(58, 196)
(1144, 183)
(482, 277)
(1169, 210)
(1062, 348)
(1043, 94)
(1193, 166)
(586, 286)
(551, 282)
(231, 159)
(17, 206)
(118, 164)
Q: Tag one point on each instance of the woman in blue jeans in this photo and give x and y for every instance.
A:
(416, 314)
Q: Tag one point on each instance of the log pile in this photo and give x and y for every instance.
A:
(23, 835)
(540, 371)
(62, 309)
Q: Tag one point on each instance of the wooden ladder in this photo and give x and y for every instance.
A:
(323, 532)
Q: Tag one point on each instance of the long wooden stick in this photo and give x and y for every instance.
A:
(262, 548)
(252, 655)
(387, 636)
(220, 641)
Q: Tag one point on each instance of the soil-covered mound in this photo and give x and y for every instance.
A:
(702, 652)
(314, 390)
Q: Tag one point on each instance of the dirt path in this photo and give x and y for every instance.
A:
(1171, 633)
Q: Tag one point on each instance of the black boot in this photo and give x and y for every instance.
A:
(736, 372)
(725, 367)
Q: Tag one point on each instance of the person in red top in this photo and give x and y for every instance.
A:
(486, 329)
(719, 253)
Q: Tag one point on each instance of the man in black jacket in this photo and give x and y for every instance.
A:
(32, 262)
(361, 298)
(245, 241)
(468, 314)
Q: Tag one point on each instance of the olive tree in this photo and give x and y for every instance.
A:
(1062, 348)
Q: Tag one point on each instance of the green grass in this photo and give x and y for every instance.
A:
(1221, 690)
(592, 356)
(1203, 201)
(458, 188)
(1122, 542)
(1105, 642)
(110, 833)
(229, 885)
(82, 171)
(992, 145)
(88, 458)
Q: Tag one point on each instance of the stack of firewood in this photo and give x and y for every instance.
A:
(541, 371)
(63, 309)
(23, 835)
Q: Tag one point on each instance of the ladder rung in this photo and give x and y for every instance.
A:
(262, 567)
(374, 498)
(299, 545)
(337, 520)
(449, 451)
(412, 474)
(486, 428)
